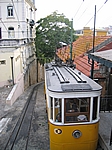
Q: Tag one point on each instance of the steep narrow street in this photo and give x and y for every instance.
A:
(27, 126)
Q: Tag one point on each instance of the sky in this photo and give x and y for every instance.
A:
(81, 11)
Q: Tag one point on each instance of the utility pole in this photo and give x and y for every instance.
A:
(71, 40)
(92, 66)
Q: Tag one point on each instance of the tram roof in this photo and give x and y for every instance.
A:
(68, 79)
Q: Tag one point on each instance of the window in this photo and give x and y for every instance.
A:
(51, 108)
(0, 33)
(2, 62)
(0, 13)
(77, 110)
(11, 33)
(55, 109)
(95, 102)
(10, 11)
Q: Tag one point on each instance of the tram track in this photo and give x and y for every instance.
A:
(21, 130)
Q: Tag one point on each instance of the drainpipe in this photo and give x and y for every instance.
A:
(12, 69)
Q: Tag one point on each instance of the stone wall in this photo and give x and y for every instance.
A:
(40, 72)
(33, 74)
(30, 76)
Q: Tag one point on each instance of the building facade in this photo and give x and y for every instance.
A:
(17, 47)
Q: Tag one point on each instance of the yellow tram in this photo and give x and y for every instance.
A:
(73, 101)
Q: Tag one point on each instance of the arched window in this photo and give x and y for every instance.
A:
(11, 33)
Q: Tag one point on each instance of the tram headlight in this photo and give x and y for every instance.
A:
(77, 134)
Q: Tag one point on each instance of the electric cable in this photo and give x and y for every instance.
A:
(84, 11)
(78, 9)
(3, 24)
(17, 15)
(97, 11)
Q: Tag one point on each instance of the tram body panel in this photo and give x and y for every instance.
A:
(62, 136)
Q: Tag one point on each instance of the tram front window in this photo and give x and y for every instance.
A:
(77, 109)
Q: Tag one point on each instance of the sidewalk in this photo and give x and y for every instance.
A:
(6, 110)
(38, 138)
(4, 92)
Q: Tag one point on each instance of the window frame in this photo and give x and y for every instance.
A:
(2, 62)
(11, 32)
(54, 110)
(10, 12)
(0, 33)
(75, 114)
(86, 113)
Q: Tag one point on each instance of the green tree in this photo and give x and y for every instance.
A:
(50, 32)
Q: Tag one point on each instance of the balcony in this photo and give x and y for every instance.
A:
(9, 42)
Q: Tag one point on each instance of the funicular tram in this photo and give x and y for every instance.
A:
(73, 101)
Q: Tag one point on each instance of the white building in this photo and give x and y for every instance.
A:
(17, 48)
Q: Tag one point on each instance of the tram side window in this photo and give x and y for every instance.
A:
(55, 109)
(51, 102)
(77, 109)
(95, 103)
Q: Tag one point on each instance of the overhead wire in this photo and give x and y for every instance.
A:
(17, 15)
(78, 9)
(15, 11)
(3, 24)
(97, 11)
(84, 11)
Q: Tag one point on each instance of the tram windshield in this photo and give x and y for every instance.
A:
(77, 109)
(73, 110)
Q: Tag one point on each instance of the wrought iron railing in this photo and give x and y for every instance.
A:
(106, 103)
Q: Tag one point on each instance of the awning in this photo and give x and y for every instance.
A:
(103, 57)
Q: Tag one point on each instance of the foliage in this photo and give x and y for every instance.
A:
(50, 32)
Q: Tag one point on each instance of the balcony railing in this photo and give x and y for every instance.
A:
(15, 42)
(9, 42)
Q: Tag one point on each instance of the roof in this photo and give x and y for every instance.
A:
(80, 47)
(83, 65)
(67, 79)
(103, 57)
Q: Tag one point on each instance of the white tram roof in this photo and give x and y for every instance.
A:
(66, 79)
